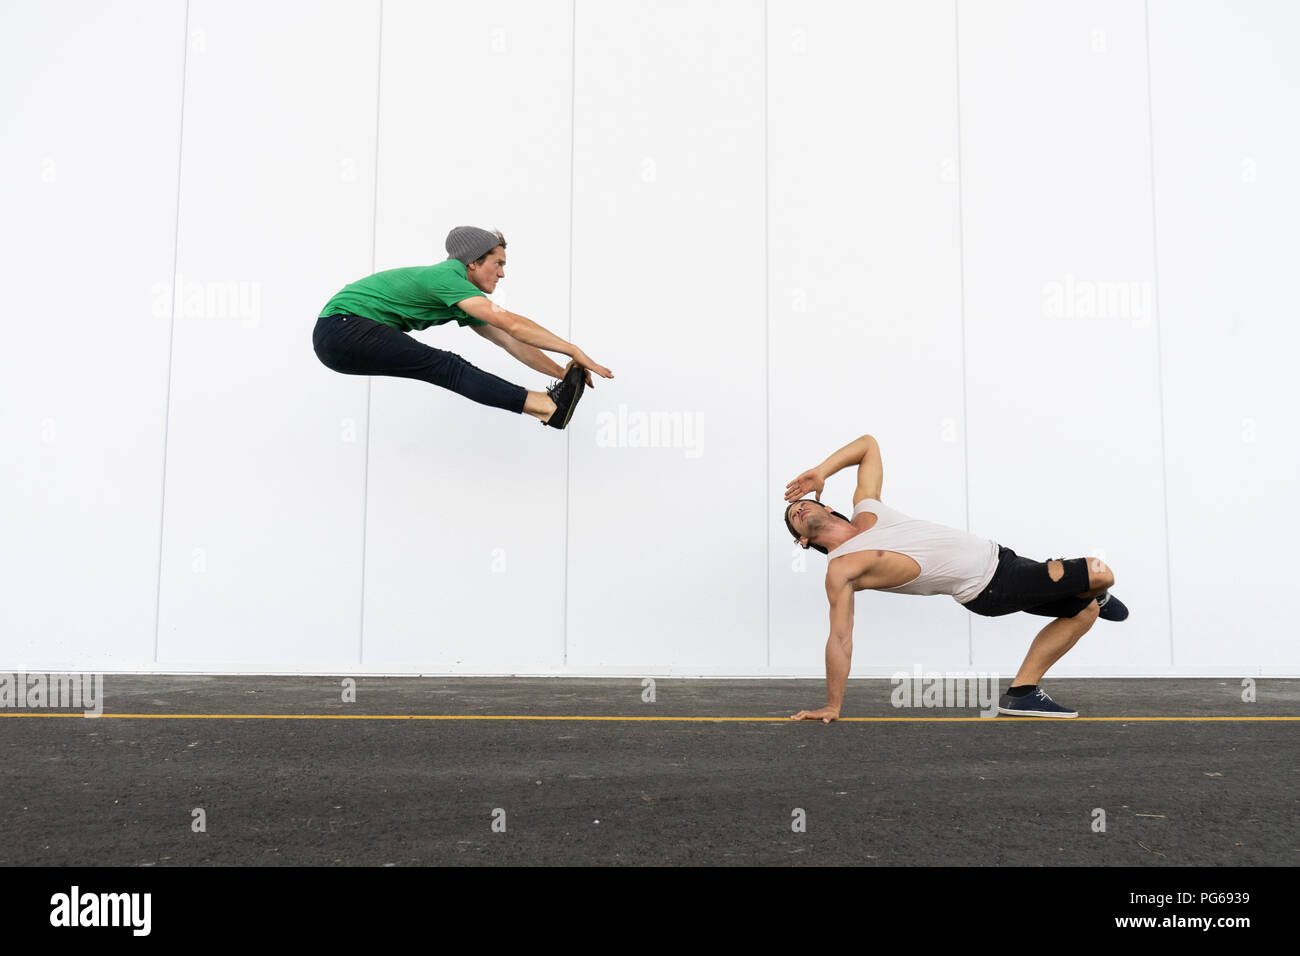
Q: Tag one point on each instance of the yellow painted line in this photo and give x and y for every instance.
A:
(534, 717)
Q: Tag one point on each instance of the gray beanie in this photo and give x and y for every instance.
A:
(467, 243)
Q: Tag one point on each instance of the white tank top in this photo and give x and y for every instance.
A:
(952, 561)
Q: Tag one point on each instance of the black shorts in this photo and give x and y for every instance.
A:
(1022, 584)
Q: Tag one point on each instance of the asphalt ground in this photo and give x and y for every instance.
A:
(284, 771)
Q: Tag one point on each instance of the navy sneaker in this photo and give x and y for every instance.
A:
(1034, 704)
(565, 395)
(1112, 608)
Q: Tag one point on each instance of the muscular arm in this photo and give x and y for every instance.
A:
(865, 453)
(532, 357)
(839, 649)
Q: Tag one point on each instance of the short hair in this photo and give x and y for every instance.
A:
(796, 534)
(501, 241)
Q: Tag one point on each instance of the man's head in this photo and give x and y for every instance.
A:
(806, 519)
(482, 251)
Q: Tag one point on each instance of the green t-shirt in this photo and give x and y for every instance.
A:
(410, 299)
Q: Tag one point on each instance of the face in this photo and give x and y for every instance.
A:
(487, 274)
(807, 518)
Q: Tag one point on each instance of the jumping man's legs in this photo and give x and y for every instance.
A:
(539, 405)
(355, 345)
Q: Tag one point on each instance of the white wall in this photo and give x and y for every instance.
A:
(864, 292)
(668, 293)
(1063, 390)
(465, 516)
(1225, 97)
(1044, 252)
(90, 103)
(261, 504)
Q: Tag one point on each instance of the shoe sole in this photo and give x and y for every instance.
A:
(573, 406)
(582, 386)
(1032, 713)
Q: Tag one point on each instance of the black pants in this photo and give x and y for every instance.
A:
(1022, 584)
(355, 345)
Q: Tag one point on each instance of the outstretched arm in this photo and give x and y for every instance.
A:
(527, 332)
(839, 650)
(533, 357)
(863, 452)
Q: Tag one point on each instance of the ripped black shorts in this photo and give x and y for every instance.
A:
(1022, 584)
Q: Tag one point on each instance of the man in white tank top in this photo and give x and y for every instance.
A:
(885, 550)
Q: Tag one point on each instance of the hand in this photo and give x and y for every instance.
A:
(573, 362)
(811, 480)
(825, 715)
(583, 359)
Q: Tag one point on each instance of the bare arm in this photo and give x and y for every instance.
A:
(863, 452)
(534, 358)
(839, 649)
(516, 326)
(526, 331)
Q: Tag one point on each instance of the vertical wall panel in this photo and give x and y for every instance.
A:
(265, 457)
(865, 299)
(89, 131)
(1226, 94)
(669, 514)
(466, 503)
(1062, 359)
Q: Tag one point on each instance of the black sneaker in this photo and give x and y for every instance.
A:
(565, 395)
(1034, 704)
(1112, 608)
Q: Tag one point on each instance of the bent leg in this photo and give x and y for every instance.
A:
(1100, 578)
(355, 345)
(1052, 643)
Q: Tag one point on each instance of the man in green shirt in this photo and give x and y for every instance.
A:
(361, 330)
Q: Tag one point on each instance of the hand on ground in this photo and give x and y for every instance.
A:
(825, 715)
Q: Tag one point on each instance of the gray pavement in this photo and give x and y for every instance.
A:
(1006, 791)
